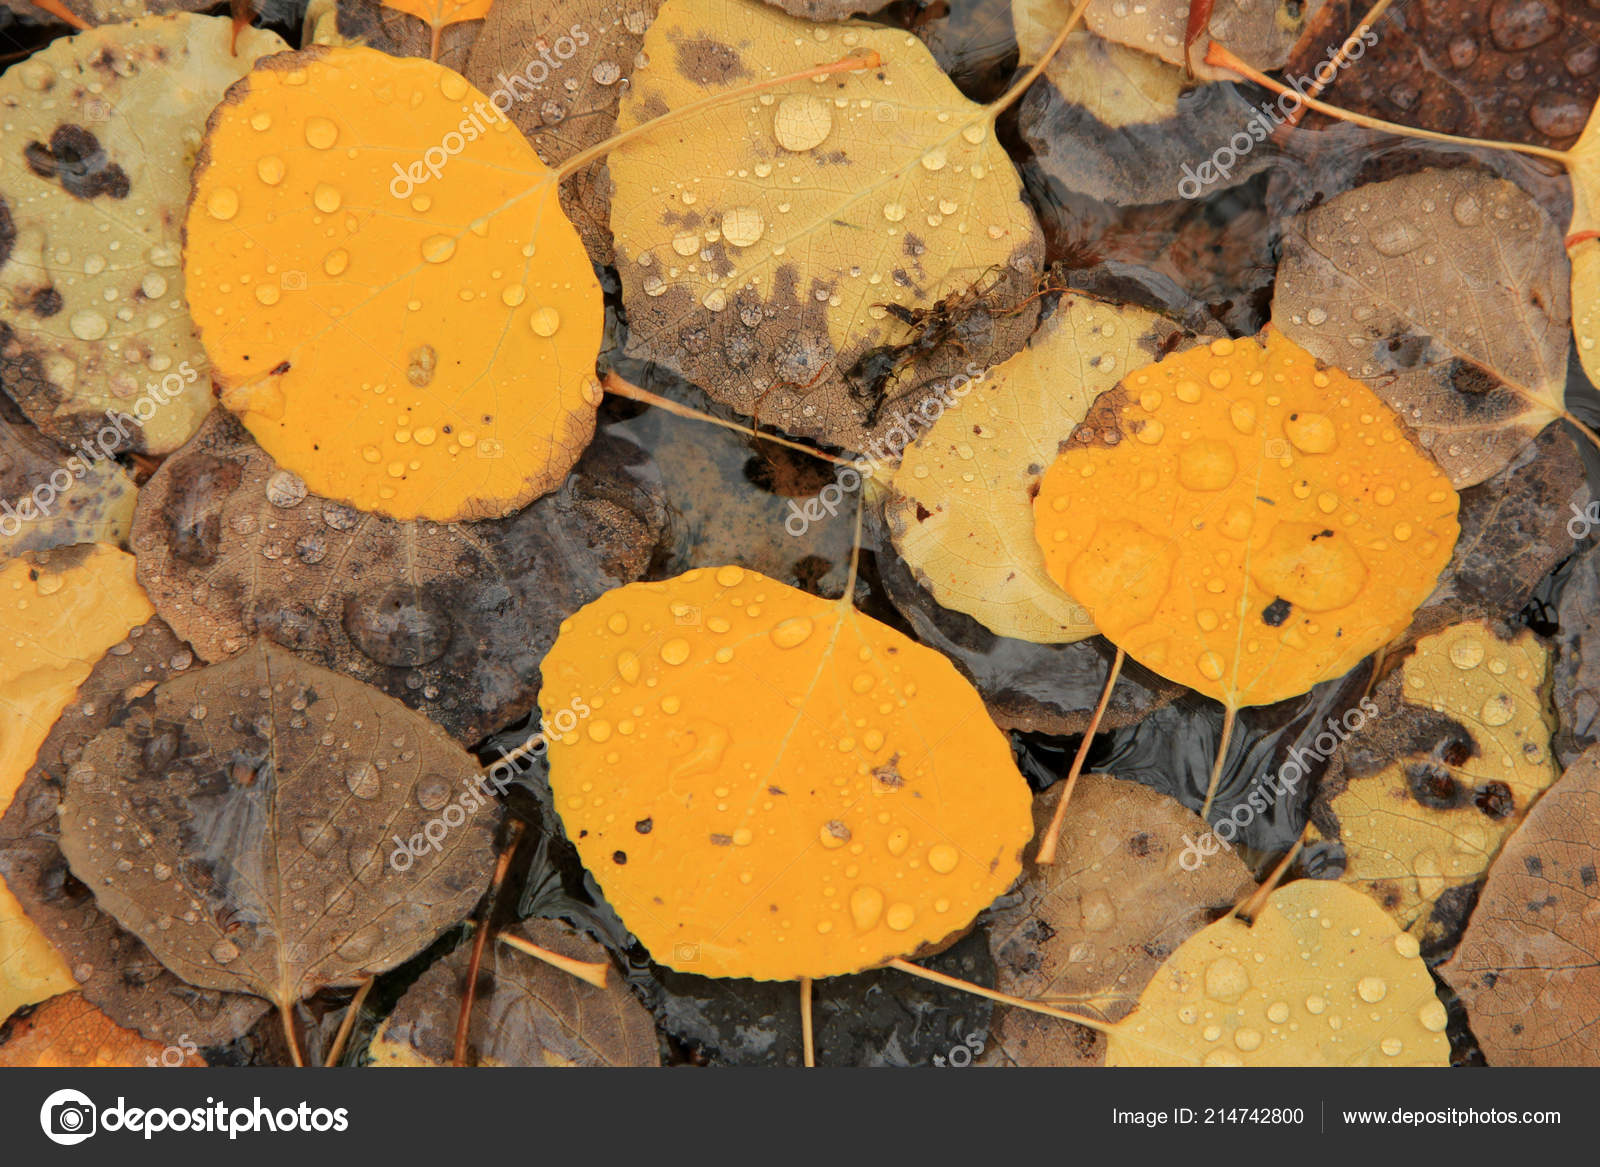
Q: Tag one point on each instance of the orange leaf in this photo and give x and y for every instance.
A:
(441, 13)
(1243, 522)
(69, 1031)
(389, 294)
(767, 784)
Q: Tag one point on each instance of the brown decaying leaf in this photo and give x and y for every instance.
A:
(566, 65)
(1514, 531)
(527, 1013)
(69, 1031)
(1088, 932)
(1514, 71)
(1447, 292)
(1528, 968)
(1577, 660)
(450, 619)
(262, 797)
(112, 967)
(825, 9)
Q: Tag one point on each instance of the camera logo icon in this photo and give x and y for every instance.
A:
(68, 1117)
(685, 953)
(686, 614)
(1277, 448)
(490, 448)
(292, 281)
(97, 109)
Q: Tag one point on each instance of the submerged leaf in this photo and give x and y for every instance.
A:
(1322, 978)
(243, 819)
(1528, 968)
(1447, 293)
(411, 344)
(1458, 751)
(764, 270)
(962, 509)
(450, 619)
(771, 785)
(1577, 662)
(94, 505)
(1262, 33)
(100, 132)
(1244, 522)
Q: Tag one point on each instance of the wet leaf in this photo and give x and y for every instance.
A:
(824, 9)
(1577, 662)
(69, 1031)
(1088, 933)
(527, 1013)
(92, 309)
(30, 968)
(764, 270)
(1420, 802)
(1528, 968)
(1446, 292)
(1322, 978)
(95, 507)
(1036, 688)
(961, 511)
(450, 619)
(567, 65)
(1243, 522)
(1515, 529)
(263, 830)
(1262, 34)
(422, 347)
(1519, 71)
(112, 967)
(750, 747)
(1583, 243)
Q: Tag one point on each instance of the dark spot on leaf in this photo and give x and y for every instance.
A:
(619, 857)
(722, 840)
(1534, 864)
(644, 826)
(76, 159)
(1275, 613)
(1494, 799)
(1432, 786)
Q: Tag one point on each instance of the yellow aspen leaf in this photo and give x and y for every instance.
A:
(100, 130)
(414, 343)
(1244, 522)
(764, 268)
(771, 785)
(1323, 978)
(1457, 755)
(58, 613)
(69, 1031)
(962, 512)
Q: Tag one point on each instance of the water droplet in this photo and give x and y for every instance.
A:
(224, 951)
(742, 226)
(866, 907)
(270, 169)
(544, 321)
(285, 489)
(88, 325)
(223, 203)
(802, 122)
(1396, 238)
(321, 133)
(1372, 989)
(792, 633)
(438, 248)
(1226, 979)
(326, 198)
(675, 651)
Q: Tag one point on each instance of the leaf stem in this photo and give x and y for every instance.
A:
(623, 388)
(869, 60)
(286, 1017)
(1000, 104)
(938, 978)
(1568, 416)
(1251, 904)
(1222, 58)
(1047, 846)
(1342, 57)
(348, 1023)
(807, 1038)
(1229, 714)
(62, 13)
(595, 974)
(469, 991)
